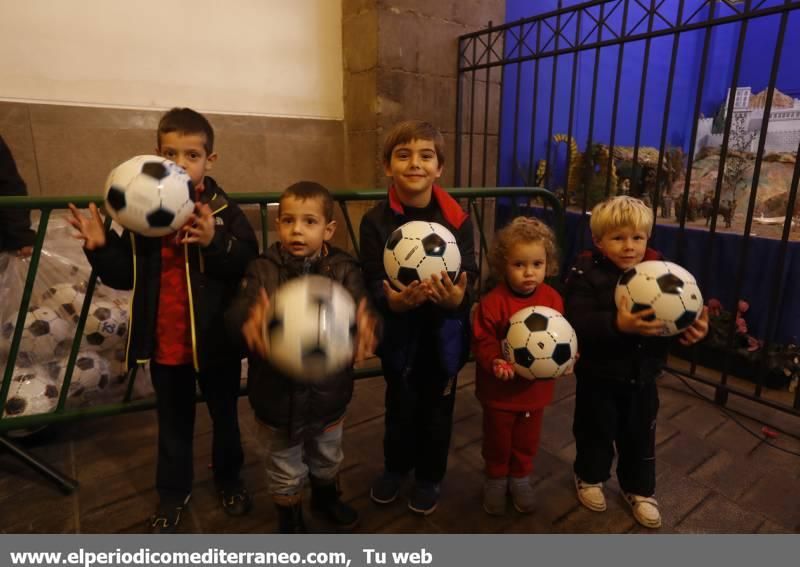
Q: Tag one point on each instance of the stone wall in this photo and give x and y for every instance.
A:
(400, 63)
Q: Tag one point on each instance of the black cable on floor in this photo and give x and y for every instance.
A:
(728, 413)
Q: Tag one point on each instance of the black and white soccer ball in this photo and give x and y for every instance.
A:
(66, 299)
(106, 326)
(540, 343)
(91, 377)
(417, 250)
(311, 328)
(149, 195)
(32, 392)
(666, 287)
(45, 335)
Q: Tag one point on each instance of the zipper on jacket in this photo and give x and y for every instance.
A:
(191, 306)
(130, 303)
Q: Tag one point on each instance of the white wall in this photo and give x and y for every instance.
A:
(265, 57)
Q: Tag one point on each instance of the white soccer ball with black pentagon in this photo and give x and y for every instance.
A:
(90, 377)
(66, 299)
(149, 195)
(45, 336)
(417, 250)
(666, 287)
(32, 392)
(311, 328)
(540, 343)
(106, 326)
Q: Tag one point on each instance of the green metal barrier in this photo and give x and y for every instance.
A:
(47, 204)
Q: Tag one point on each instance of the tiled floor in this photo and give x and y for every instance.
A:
(712, 475)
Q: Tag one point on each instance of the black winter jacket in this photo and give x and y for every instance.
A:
(605, 353)
(402, 332)
(133, 262)
(15, 224)
(302, 409)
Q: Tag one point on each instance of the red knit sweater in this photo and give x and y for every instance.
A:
(489, 329)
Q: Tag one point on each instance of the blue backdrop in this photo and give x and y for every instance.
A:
(760, 42)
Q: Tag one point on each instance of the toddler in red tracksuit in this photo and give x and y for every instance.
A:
(524, 253)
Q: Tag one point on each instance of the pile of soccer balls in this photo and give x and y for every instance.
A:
(48, 332)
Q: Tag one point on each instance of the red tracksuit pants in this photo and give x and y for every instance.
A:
(510, 441)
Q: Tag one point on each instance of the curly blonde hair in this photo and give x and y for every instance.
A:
(523, 230)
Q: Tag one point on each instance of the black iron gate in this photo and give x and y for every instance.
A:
(519, 80)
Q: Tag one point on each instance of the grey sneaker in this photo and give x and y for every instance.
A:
(522, 494)
(494, 496)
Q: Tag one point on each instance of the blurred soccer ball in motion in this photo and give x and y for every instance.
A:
(311, 328)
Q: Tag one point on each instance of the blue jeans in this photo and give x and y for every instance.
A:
(289, 462)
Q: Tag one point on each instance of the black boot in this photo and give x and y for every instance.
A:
(325, 502)
(290, 518)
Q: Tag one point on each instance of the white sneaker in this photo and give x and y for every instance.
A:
(645, 509)
(591, 495)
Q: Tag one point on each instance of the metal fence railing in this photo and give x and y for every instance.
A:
(473, 199)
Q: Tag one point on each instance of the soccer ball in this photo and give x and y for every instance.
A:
(666, 287)
(44, 336)
(417, 250)
(32, 392)
(106, 326)
(90, 377)
(65, 299)
(149, 195)
(540, 343)
(311, 328)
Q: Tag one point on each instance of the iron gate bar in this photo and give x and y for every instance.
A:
(486, 94)
(590, 166)
(534, 105)
(681, 246)
(548, 169)
(723, 156)
(571, 117)
(745, 248)
(751, 14)
(515, 138)
(667, 107)
(471, 124)
(640, 110)
(615, 107)
(773, 314)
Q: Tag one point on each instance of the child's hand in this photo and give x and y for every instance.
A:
(636, 323)
(90, 229)
(366, 340)
(697, 330)
(252, 328)
(25, 252)
(412, 296)
(200, 229)
(443, 292)
(503, 370)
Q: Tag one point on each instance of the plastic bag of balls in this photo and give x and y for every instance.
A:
(49, 326)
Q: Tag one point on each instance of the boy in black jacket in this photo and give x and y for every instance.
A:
(302, 421)
(622, 354)
(181, 285)
(426, 326)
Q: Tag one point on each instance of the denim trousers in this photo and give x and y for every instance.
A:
(289, 461)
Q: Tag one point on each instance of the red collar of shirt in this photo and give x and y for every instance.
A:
(451, 210)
